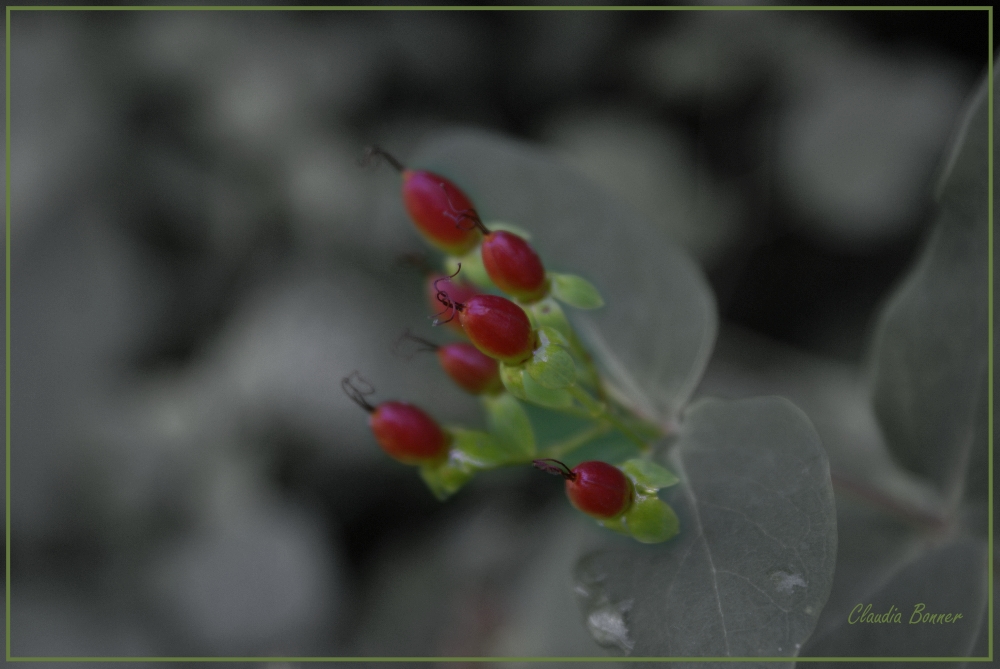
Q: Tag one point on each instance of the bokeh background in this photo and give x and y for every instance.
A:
(197, 259)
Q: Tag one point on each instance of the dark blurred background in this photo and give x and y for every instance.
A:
(197, 258)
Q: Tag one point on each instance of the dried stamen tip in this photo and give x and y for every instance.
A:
(357, 388)
(443, 298)
(374, 153)
(559, 469)
(459, 216)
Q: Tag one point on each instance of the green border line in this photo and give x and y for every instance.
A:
(989, 190)
(7, 342)
(503, 8)
(785, 659)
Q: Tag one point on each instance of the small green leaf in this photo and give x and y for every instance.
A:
(651, 520)
(548, 313)
(493, 226)
(444, 479)
(575, 291)
(511, 377)
(472, 271)
(551, 364)
(478, 450)
(617, 524)
(546, 397)
(509, 424)
(648, 474)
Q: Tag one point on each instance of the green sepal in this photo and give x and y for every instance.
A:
(546, 397)
(513, 381)
(473, 269)
(548, 313)
(649, 475)
(509, 424)
(493, 226)
(551, 365)
(445, 478)
(617, 524)
(473, 450)
(649, 521)
(575, 291)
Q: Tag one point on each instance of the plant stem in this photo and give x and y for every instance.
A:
(600, 410)
(565, 446)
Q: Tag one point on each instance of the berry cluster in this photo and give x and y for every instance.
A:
(518, 347)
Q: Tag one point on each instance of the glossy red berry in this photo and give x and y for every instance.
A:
(402, 430)
(594, 487)
(407, 433)
(498, 327)
(432, 202)
(514, 266)
(437, 206)
(471, 369)
(456, 291)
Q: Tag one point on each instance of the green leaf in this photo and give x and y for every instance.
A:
(575, 291)
(535, 392)
(551, 365)
(929, 359)
(513, 380)
(509, 424)
(655, 334)
(648, 474)
(478, 450)
(446, 478)
(752, 566)
(651, 521)
(548, 313)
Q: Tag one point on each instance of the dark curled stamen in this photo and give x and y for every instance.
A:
(460, 216)
(357, 388)
(444, 299)
(422, 345)
(559, 469)
(373, 154)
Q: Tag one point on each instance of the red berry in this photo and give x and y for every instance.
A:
(514, 266)
(599, 489)
(469, 368)
(498, 327)
(408, 434)
(436, 206)
(594, 487)
(457, 292)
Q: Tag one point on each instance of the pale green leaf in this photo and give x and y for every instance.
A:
(752, 566)
(446, 478)
(535, 392)
(651, 521)
(512, 378)
(478, 450)
(509, 424)
(575, 291)
(929, 359)
(551, 364)
(648, 474)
